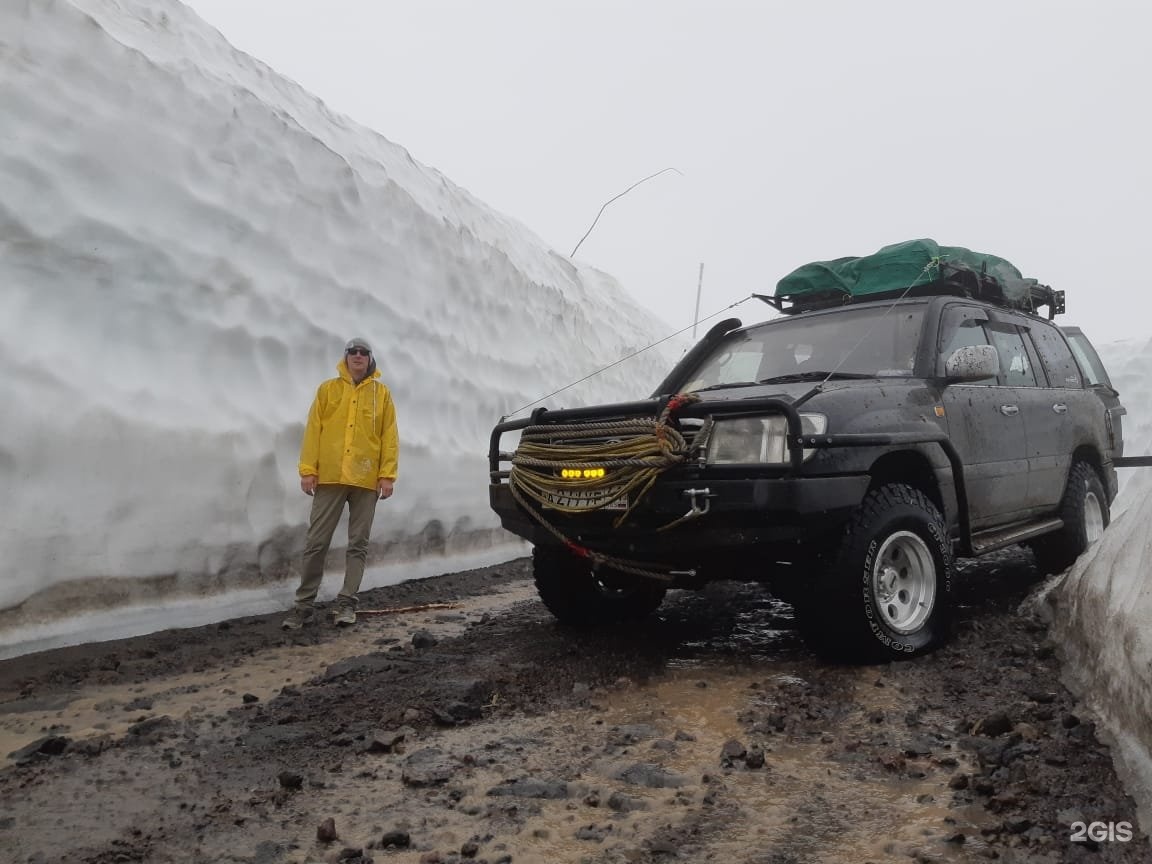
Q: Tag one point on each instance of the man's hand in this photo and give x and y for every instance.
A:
(384, 487)
(308, 484)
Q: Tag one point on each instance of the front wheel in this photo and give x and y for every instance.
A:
(1084, 509)
(577, 595)
(886, 592)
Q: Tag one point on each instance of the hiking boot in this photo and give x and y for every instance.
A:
(298, 617)
(345, 614)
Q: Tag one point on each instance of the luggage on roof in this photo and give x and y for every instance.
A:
(913, 268)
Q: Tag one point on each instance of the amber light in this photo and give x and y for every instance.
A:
(581, 473)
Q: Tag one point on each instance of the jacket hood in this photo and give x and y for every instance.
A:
(343, 372)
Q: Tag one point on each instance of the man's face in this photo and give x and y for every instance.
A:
(358, 360)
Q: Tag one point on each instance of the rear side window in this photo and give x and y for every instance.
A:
(1056, 356)
(1088, 359)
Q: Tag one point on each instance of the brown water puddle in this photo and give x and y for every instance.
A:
(804, 801)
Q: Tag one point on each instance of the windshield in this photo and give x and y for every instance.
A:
(864, 342)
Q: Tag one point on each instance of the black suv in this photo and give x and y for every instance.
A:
(844, 456)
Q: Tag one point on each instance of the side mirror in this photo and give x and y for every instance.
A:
(973, 362)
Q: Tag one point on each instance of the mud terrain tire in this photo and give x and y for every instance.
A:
(577, 596)
(1084, 509)
(886, 592)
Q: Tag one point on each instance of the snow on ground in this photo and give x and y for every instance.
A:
(187, 239)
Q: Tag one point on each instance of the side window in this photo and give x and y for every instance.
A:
(962, 326)
(1015, 367)
(1056, 356)
(1087, 359)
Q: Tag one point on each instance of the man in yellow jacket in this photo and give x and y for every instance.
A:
(348, 456)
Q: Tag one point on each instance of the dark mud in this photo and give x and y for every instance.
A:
(486, 732)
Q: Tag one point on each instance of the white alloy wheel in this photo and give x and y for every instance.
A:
(1093, 518)
(904, 582)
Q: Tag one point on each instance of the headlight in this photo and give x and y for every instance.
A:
(758, 439)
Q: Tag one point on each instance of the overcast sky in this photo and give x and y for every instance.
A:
(801, 131)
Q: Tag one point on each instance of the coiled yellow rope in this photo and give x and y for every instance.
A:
(640, 450)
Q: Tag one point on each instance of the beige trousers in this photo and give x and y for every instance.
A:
(327, 507)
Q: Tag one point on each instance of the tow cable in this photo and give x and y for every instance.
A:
(642, 449)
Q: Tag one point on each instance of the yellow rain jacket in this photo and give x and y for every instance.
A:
(351, 434)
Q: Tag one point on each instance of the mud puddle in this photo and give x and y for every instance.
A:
(610, 781)
(606, 782)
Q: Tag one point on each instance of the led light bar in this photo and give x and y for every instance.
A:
(581, 473)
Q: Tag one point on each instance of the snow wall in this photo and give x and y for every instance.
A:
(187, 239)
(1101, 609)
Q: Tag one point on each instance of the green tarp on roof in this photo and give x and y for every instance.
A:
(895, 268)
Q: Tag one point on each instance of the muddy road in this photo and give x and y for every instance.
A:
(482, 731)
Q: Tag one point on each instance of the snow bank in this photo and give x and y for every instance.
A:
(1102, 607)
(1101, 614)
(186, 241)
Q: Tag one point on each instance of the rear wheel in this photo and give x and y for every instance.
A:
(1084, 509)
(886, 592)
(577, 595)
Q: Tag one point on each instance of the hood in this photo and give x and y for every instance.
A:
(342, 370)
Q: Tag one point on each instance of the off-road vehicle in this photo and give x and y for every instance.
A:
(907, 408)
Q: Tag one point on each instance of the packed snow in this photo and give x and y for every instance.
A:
(1101, 608)
(186, 241)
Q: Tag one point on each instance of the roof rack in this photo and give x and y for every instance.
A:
(1025, 295)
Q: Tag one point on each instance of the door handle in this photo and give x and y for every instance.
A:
(1060, 408)
(1009, 410)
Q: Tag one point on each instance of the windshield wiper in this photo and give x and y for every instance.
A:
(726, 386)
(814, 375)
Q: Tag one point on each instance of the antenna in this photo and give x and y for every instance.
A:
(699, 286)
(621, 195)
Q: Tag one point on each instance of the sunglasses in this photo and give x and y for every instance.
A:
(362, 352)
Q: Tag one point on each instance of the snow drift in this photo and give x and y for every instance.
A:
(1101, 608)
(186, 241)
(1101, 612)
